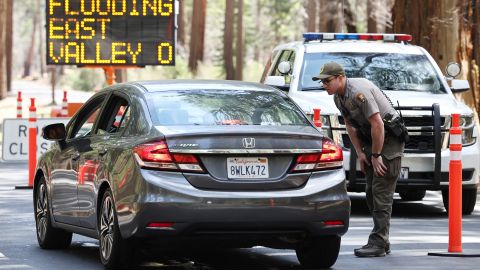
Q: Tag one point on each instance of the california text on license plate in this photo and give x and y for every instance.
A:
(247, 167)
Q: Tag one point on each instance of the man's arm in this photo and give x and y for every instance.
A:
(378, 135)
(352, 133)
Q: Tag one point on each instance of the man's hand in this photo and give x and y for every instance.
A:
(379, 169)
(362, 158)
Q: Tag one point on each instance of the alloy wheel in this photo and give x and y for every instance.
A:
(41, 211)
(107, 223)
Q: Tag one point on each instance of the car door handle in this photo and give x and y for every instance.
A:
(102, 152)
(75, 156)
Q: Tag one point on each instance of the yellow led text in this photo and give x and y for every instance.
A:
(74, 53)
(162, 8)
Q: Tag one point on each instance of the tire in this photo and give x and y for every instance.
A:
(321, 252)
(48, 237)
(413, 195)
(115, 253)
(469, 199)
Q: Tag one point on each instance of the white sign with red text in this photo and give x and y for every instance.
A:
(15, 137)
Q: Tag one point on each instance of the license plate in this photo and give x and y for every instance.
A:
(247, 168)
(403, 173)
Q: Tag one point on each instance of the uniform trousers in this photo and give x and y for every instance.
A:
(380, 190)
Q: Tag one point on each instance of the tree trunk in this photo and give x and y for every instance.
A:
(228, 40)
(331, 17)
(9, 43)
(41, 53)
(120, 75)
(239, 42)
(27, 64)
(469, 51)
(312, 15)
(323, 15)
(442, 28)
(3, 68)
(349, 17)
(198, 34)
(371, 22)
(181, 23)
(256, 47)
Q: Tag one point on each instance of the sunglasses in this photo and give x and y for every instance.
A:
(328, 80)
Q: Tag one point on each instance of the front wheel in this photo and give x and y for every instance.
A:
(469, 199)
(321, 252)
(48, 237)
(115, 253)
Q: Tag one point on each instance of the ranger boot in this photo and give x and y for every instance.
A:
(370, 250)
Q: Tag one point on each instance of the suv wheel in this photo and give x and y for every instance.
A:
(469, 199)
(321, 252)
(413, 195)
(48, 237)
(114, 250)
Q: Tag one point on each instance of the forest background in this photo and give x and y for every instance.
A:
(233, 39)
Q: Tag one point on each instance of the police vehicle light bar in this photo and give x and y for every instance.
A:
(340, 36)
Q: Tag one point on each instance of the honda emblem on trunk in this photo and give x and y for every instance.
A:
(248, 142)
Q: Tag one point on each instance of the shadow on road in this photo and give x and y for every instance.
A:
(429, 207)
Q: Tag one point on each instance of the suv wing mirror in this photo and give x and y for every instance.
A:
(278, 81)
(54, 132)
(458, 86)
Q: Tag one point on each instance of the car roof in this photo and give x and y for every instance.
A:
(168, 85)
(353, 46)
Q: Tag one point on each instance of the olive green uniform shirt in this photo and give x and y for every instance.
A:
(361, 100)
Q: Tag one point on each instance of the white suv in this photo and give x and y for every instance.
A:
(414, 83)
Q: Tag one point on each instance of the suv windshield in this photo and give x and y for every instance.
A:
(389, 71)
(223, 107)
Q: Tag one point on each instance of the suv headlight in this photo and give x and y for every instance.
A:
(466, 121)
(467, 125)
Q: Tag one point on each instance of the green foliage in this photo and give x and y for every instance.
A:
(179, 71)
(85, 79)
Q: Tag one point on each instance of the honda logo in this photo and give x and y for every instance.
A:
(248, 142)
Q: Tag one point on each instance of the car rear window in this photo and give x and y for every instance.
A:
(223, 107)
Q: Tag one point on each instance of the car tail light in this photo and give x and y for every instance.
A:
(160, 225)
(330, 157)
(155, 155)
(333, 223)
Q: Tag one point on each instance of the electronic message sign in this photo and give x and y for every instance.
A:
(110, 32)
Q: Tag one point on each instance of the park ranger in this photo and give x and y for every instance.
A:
(378, 135)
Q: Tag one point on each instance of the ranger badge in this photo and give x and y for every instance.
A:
(360, 97)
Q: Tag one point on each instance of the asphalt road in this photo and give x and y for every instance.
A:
(417, 228)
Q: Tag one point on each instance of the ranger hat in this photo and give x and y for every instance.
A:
(329, 69)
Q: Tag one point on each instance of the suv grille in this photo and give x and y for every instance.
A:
(419, 143)
(422, 121)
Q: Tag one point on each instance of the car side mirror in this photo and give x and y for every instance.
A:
(458, 86)
(54, 132)
(278, 82)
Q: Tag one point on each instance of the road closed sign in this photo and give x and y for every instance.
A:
(15, 138)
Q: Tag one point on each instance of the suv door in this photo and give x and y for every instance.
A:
(64, 177)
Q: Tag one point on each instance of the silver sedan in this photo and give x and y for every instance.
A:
(175, 163)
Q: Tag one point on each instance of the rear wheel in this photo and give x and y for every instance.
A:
(413, 195)
(469, 199)
(114, 250)
(48, 237)
(321, 252)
